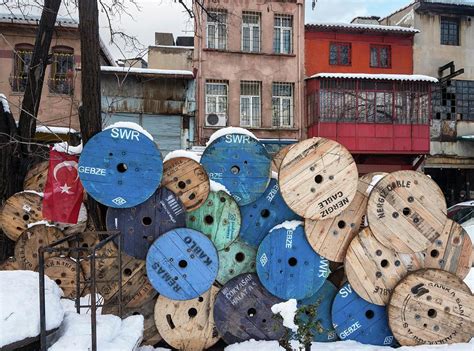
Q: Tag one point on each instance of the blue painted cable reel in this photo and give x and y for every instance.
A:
(182, 264)
(262, 215)
(240, 163)
(243, 311)
(359, 320)
(142, 224)
(287, 265)
(319, 303)
(120, 167)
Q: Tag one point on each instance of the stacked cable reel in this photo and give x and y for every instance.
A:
(211, 244)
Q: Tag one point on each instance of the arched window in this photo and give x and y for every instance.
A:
(62, 71)
(21, 64)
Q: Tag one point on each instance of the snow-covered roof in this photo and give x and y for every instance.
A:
(361, 27)
(150, 71)
(55, 130)
(172, 47)
(402, 77)
(34, 20)
(453, 2)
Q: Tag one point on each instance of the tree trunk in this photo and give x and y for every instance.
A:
(90, 111)
(36, 73)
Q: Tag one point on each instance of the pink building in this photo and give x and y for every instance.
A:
(249, 65)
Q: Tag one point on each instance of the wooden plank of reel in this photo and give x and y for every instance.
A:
(182, 264)
(318, 178)
(239, 162)
(36, 177)
(330, 237)
(407, 211)
(63, 271)
(236, 259)
(287, 265)
(10, 264)
(188, 180)
(20, 210)
(219, 219)
(373, 270)
(243, 311)
(188, 325)
(452, 251)
(26, 248)
(431, 306)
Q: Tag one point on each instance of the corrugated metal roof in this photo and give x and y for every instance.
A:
(34, 20)
(357, 27)
(402, 77)
(149, 71)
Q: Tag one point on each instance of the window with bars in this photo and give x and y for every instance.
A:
(217, 29)
(282, 105)
(251, 31)
(449, 31)
(380, 56)
(22, 59)
(250, 104)
(216, 97)
(62, 71)
(340, 54)
(283, 34)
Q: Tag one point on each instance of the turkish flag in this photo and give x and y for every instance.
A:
(63, 192)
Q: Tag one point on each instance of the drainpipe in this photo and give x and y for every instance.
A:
(300, 87)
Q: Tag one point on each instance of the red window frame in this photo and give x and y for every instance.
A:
(379, 49)
(339, 46)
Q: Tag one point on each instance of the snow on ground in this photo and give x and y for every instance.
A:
(113, 334)
(342, 346)
(289, 225)
(288, 311)
(229, 130)
(469, 280)
(215, 186)
(182, 153)
(130, 125)
(69, 305)
(19, 305)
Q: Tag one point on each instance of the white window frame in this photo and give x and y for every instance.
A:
(279, 105)
(216, 97)
(281, 29)
(254, 120)
(252, 27)
(217, 27)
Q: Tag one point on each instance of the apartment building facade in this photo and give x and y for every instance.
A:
(249, 67)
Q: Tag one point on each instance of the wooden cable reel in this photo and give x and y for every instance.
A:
(318, 178)
(188, 325)
(452, 251)
(20, 210)
(407, 211)
(26, 248)
(236, 259)
(431, 306)
(78, 227)
(330, 237)
(373, 270)
(219, 219)
(63, 271)
(36, 177)
(188, 180)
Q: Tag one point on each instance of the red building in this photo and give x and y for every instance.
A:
(361, 91)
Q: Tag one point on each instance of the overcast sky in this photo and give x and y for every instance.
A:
(169, 16)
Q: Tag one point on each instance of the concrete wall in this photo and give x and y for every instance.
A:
(234, 66)
(55, 109)
(170, 57)
(429, 54)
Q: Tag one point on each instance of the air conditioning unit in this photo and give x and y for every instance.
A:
(216, 120)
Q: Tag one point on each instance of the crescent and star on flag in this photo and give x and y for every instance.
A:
(65, 188)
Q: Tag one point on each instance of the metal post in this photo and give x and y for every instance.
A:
(78, 281)
(120, 243)
(93, 303)
(42, 300)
